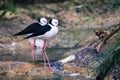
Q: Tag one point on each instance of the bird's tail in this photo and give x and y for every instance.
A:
(16, 34)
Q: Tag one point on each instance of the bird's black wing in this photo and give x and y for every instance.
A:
(41, 31)
(30, 29)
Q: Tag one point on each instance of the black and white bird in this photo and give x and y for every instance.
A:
(30, 30)
(41, 32)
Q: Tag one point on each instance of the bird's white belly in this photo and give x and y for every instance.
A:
(49, 34)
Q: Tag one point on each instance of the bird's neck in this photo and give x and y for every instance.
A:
(41, 24)
(52, 25)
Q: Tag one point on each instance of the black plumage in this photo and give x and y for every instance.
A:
(36, 29)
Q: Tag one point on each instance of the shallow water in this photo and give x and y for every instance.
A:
(26, 55)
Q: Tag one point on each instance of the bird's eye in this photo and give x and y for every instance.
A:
(55, 22)
(44, 21)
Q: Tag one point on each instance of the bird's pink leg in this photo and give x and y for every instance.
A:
(43, 51)
(45, 55)
(33, 50)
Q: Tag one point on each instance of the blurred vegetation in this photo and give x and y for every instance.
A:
(85, 6)
(5, 6)
(111, 58)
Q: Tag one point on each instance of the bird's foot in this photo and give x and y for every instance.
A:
(51, 69)
(48, 68)
(45, 67)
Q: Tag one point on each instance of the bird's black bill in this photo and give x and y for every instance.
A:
(62, 25)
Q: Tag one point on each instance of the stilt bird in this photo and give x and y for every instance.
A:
(35, 30)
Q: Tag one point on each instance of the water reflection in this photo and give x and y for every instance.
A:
(26, 54)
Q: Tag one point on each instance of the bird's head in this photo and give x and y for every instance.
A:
(43, 21)
(54, 22)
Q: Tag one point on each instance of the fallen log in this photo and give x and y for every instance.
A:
(96, 46)
(85, 60)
